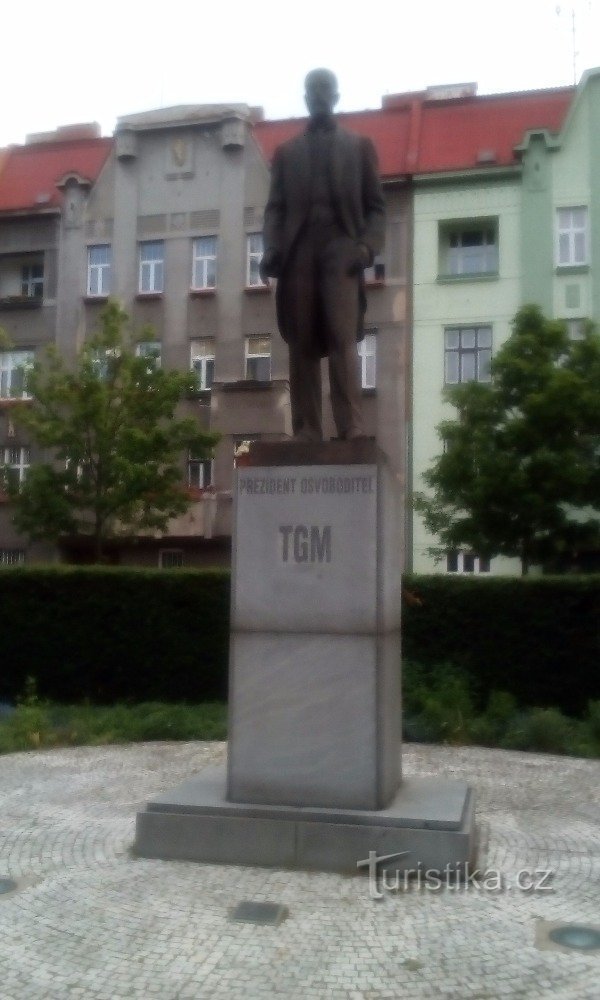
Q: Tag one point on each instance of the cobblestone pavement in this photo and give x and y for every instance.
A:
(89, 920)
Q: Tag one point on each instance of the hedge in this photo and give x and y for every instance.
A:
(537, 638)
(109, 634)
(116, 634)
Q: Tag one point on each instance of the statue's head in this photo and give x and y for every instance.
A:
(321, 92)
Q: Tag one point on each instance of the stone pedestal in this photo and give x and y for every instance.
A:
(313, 777)
(315, 643)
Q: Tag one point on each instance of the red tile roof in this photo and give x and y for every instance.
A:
(30, 174)
(416, 135)
(387, 128)
(456, 134)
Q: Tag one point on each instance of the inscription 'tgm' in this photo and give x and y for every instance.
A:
(305, 543)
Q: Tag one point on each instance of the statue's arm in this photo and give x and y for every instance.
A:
(273, 225)
(373, 201)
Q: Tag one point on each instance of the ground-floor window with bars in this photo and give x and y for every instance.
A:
(12, 557)
(170, 558)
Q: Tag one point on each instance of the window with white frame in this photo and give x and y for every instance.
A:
(367, 352)
(467, 354)
(170, 558)
(12, 557)
(203, 361)
(200, 472)
(99, 270)
(258, 358)
(466, 562)
(150, 349)
(22, 276)
(576, 328)
(152, 266)
(32, 280)
(572, 236)
(254, 257)
(204, 262)
(376, 272)
(13, 373)
(15, 465)
(469, 248)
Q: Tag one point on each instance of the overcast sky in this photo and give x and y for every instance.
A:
(73, 61)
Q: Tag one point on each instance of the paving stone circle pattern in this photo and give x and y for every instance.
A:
(89, 920)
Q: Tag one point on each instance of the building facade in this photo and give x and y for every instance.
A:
(492, 202)
(170, 224)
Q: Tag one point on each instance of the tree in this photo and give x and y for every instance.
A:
(108, 423)
(519, 474)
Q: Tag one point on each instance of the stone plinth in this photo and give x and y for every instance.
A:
(315, 643)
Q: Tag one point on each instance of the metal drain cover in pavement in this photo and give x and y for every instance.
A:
(7, 885)
(576, 936)
(260, 913)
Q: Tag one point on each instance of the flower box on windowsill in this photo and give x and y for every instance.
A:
(20, 302)
(202, 293)
(201, 395)
(200, 492)
(149, 296)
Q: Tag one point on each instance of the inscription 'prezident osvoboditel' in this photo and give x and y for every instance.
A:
(293, 485)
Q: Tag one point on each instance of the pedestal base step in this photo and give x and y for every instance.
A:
(428, 826)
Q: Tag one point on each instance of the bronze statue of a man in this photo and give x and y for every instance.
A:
(324, 223)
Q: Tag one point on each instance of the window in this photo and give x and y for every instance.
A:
(468, 352)
(15, 464)
(13, 371)
(376, 272)
(32, 281)
(12, 557)
(204, 262)
(469, 248)
(466, 562)
(104, 362)
(99, 270)
(203, 361)
(367, 352)
(576, 328)
(255, 252)
(258, 358)
(152, 266)
(170, 558)
(200, 472)
(22, 277)
(150, 349)
(572, 236)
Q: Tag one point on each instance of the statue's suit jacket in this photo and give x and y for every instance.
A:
(356, 194)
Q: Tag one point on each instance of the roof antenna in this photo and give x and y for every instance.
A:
(572, 10)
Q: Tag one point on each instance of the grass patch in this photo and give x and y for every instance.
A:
(34, 723)
(441, 705)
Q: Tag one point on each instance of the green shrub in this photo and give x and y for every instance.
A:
(48, 725)
(438, 705)
(543, 729)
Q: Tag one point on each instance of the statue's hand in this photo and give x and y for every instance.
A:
(359, 258)
(270, 265)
